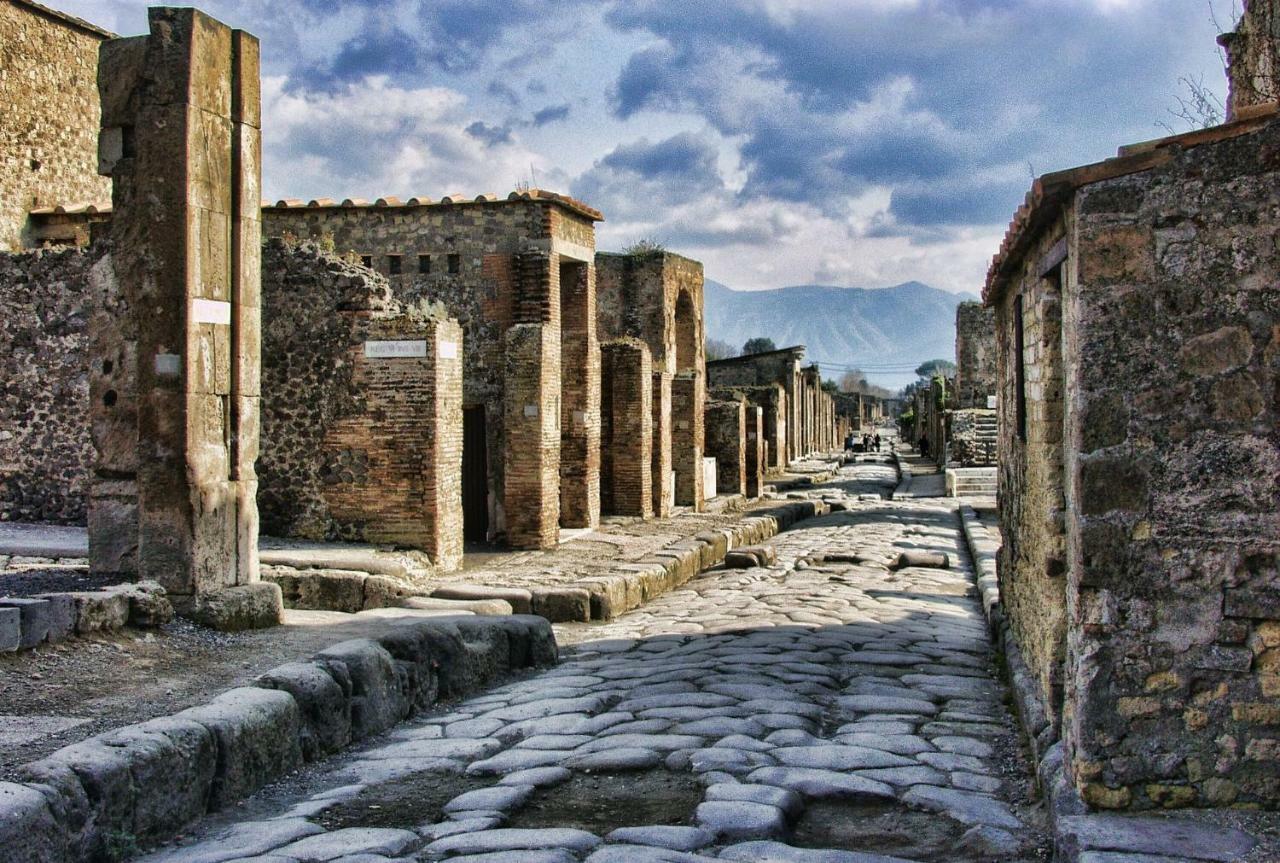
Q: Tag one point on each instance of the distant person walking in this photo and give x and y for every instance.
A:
(924, 444)
(876, 442)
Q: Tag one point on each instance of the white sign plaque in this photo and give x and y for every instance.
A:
(211, 311)
(168, 364)
(448, 350)
(991, 403)
(392, 350)
(531, 410)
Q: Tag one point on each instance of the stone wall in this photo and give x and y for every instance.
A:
(1173, 455)
(1252, 57)
(45, 451)
(49, 125)
(688, 438)
(726, 443)
(357, 448)
(974, 438)
(975, 356)
(1032, 562)
(772, 401)
(626, 392)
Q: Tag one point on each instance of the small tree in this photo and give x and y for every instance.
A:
(717, 349)
(830, 387)
(758, 345)
(930, 369)
(644, 246)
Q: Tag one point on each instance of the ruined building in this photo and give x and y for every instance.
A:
(971, 425)
(519, 276)
(656, 298)
(1253, 59)
(49, 125)
(362, 429)
(1136, 305)
(779, 387)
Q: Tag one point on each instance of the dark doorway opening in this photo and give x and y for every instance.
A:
(475, 475)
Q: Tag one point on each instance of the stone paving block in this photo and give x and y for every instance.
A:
(35, 614)
(777, 852)
(966, 807)
(741, 819)
(352, 840)
(1135, 835)
(515, 839)
(29, 832)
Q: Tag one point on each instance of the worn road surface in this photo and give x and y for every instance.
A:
(829, 708)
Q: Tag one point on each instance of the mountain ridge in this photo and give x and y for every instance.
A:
(886, 332)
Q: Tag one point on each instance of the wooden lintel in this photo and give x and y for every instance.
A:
(1053, 258)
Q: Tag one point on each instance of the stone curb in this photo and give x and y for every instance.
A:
(903, 489)
(143, 784)
(47, 618)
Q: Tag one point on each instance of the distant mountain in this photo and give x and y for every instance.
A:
(886, 332)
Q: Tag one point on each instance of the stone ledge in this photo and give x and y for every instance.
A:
(148, 782)
(47, 618)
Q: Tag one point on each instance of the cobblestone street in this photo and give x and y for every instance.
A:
(840, 699)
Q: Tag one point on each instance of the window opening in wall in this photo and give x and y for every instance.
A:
(475, 475)
(424, 264)
(455, 264)
(1020, 399)
(367, 260)
(35, 164)
(393, 265)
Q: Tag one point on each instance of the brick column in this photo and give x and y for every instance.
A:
(663, 482)
(726, 442)
(756, 448)
(175, 340)
(627, 481)
(580, 397)
(531, 495)
(687, 397)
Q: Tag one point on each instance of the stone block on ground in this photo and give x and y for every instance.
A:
(562, 604)
(257, 731)
(931, 559)
(457, 606)
(330, 590)
(29, 833)
(62, 616)
(234, 609)
(100, 611)
(10, 629)
(1195, 840)
(149, 606)
(35, 615)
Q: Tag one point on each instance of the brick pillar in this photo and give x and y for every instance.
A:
(726, 432)
(756, 449)
(580, 397)
(687, 397)
(531, 495)
(175, 343)
(627, 412)
(663, 482)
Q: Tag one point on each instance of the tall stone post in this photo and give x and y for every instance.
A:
(757, 450)
(626, 468)
(687, 398)
(664, 492)
(532, 422)
(726, 433)
(175, 337)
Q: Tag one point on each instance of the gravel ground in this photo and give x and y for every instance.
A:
(29, 582)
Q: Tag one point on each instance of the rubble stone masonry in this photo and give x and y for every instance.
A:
(1252, 59)
(362, 437)
(975, 356)
(726, 443)
(45, 450)
(49, 125)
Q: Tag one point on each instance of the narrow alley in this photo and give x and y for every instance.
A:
(843, 698)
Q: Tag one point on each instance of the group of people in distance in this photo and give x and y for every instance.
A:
(869, 443)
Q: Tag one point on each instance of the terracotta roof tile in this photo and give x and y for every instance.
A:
(455, 199)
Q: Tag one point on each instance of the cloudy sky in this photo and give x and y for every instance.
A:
(844, 142)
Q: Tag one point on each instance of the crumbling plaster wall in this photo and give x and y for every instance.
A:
(975, 356)
(49, 125)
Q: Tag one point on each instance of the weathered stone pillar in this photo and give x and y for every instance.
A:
(175, 343)
(687, 397)
(626, 481)
(663, 481)
(532, 489)
(726, 433)
(756, 450)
